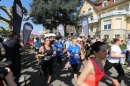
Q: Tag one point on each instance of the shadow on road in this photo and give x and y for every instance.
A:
(126, 79)
(30, 69)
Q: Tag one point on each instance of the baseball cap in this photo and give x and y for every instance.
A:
(79, 39)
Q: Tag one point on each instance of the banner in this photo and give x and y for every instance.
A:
(85, 26)
(17, 16)
(61, 30)
(27, 29)
(35, 32)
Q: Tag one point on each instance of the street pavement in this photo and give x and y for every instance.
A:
(30, 70)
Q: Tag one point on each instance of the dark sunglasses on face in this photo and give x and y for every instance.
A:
(122, 40)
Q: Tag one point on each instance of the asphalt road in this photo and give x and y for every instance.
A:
(30, 70)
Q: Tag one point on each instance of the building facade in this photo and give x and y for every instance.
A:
(108, 18)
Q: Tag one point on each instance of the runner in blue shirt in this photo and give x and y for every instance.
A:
(37, 46)
(54, 57)
(68, 43)
(74, 58)
(59, 53)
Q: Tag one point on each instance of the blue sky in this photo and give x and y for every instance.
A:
(25, 3)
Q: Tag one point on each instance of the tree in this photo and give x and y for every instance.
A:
(50, 13)
(9, 21)
(4, 32)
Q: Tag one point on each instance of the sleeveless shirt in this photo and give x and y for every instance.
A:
(94, 79)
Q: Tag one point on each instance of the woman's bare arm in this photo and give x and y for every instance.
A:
(112, 54)
(41, 50)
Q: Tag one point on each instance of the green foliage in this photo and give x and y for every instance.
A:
(123, 46)
(4, 32)
(59, 11)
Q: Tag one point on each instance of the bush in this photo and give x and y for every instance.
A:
(123, 46)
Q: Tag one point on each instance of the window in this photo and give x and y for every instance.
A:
(104, 3)
(83, 11)
(106, 36)
(117, 35)
(89, 9)
(116, 0)
(107, 25)
(118, 23)
(91, 17)
(91, 29)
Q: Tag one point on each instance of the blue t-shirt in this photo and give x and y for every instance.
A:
(59, 46)
(37, 45)
(68, 43)
(74, 51)
(54, 48)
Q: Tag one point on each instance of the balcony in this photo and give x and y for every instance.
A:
(90, 21)
(93, 21)
(128, 13)
(115, 12)
(86, 12)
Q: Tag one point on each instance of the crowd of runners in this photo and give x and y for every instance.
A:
(90, 54)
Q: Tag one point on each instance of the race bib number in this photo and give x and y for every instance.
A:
(76, 55)
(37, 47)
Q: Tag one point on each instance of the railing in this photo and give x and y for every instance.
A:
(128, 13)
(86, 12)
(115, 12)
(90, 21)
(93, 20)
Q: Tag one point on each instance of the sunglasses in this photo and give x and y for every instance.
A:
(122, 40)
(47, 40)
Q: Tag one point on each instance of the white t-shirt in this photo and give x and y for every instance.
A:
(128, 45)
(117, 51)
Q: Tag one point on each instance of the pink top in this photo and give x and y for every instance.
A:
(94, 79)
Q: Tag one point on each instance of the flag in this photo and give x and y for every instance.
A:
(85, 26)
(27, 29)
(17, 16)
(61, 30)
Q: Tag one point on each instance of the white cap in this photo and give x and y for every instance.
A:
(79, 39)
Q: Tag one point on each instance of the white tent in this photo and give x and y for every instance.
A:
(49, 34)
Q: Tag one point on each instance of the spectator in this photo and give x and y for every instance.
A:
(12, 49)
(128, 49)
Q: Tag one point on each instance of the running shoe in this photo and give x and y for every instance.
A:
(60, 69)
(69, 69)
(40, 72)
(54, 75)
(49, 85)
(128, 68)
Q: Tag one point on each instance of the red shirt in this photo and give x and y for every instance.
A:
(1, 83)
(94, 79)
(30, 41)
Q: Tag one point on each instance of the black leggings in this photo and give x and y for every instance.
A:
(75, 68)
(47, 66)
(118, 68)
(59, 60)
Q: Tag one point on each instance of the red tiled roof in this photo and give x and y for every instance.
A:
(110, 4)
(97, 5)
(98, 1)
